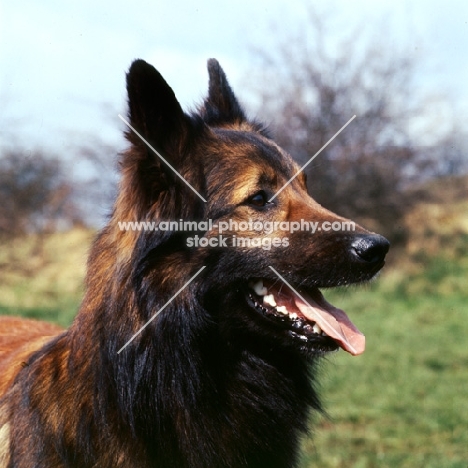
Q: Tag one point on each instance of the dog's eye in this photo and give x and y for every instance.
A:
(258, 199)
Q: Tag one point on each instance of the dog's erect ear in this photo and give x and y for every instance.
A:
(221, 105)
(157, 116)
(154, 111)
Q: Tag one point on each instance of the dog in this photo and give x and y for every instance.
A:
(191, 348)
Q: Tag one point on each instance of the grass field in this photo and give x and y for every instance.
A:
(403, 403)
(44, 278)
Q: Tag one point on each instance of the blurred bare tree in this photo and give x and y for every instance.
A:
(316, 83)
(35, 194)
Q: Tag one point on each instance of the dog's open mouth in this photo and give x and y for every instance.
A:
(308, 316)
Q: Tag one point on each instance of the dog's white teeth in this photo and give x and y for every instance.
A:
(293, 316)
(259, 289)
(282, 310)
(316, 329)
(269, 300)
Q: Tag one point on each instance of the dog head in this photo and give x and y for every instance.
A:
(266, 245)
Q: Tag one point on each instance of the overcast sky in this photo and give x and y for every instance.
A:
(63, 64)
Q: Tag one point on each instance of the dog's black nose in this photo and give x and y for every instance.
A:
(371, 248)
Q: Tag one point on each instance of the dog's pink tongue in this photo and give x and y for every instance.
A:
(333, 321)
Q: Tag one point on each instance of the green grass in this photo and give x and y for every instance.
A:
(62, 313)
(43, 278)
(402, 404)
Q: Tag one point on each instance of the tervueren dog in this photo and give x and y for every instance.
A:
(222, 375)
